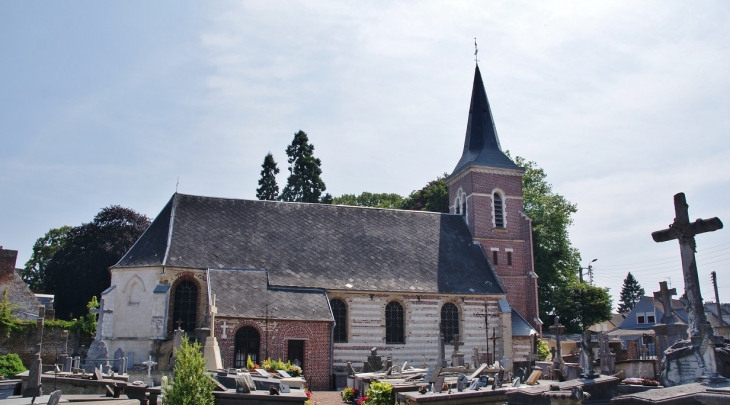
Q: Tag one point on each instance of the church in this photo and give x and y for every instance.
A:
(323, 284)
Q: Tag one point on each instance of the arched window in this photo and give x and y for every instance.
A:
(460, 203)
(394, 320)
(185, 307)
(449, 321)
(498, 210)
(247, 344)
(339, 310)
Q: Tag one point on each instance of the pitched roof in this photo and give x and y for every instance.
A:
(18, 292)
(481, 145)
(520, 327)
(246, 292)
(318, 245)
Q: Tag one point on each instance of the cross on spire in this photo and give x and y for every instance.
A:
(476, 51)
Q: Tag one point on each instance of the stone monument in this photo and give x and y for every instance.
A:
(441, 362)
(457, 357)
(689, 360)
(607, 359)
(211, 350)
(98, 349)
(558, 329)
(586, 351)
(374, 362)
(668, 331)
(33, 383)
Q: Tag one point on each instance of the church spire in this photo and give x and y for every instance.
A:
(481, 146)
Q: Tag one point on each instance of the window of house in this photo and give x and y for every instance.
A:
(339, 310)
(394, 319)
(498, 211)
(246, 343)
(185, 306)
(640, 318)
(650, 318)
(449, 321)
(509, 258)
(495, 257)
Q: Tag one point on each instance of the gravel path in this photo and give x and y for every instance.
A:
(327, 397)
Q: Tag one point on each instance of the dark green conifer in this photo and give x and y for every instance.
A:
(631, 293)
(304, 183)
(268, 189)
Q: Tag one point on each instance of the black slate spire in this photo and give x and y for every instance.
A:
(481, 146)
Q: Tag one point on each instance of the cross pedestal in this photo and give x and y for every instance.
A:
(457, 358)
(211, 350)
(686, 361)
(558, 329)
(586, 349)
(668, 332)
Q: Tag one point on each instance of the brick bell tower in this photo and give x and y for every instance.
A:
(486, 188)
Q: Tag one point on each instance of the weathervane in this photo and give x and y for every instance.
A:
(476, 51)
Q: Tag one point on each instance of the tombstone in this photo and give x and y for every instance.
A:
(441, 361)
(457, 358)
(534, 376)
(586, 350)
(33, 383)
(558, 329)
(504, 362)
(118, 355)
(54, 398)
(149, 364)
(374, 362)
(123, 366)
(668, 331)
(498, 379)
(461, 382)
(67, 364)
(688, 360)
(475, 356)
(97, 375)
(98, 349)
(607, 359)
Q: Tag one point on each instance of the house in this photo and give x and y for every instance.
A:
(637, 326)
(322, 284)
(18, 293)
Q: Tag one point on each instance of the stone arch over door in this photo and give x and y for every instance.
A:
(246, 342)
(192, 305)
(297, 332)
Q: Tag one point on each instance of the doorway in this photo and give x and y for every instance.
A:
(295, 353)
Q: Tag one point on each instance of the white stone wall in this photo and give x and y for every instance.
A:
(422, 315)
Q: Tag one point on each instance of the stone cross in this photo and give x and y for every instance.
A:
(665, 296)
(685, 231)
(456, 343)
(586, 346)
(558, 329)
(494, 339)
(225, 327)
(485, 314)
(442, 351)
(213, 312)
(149, 364)
(100, 322)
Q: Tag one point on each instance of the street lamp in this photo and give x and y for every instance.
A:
(590, 271)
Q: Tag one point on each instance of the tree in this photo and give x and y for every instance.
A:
(80, 268)
(581, 305)
(304, 183)
(268, 189)
(433, 197)
(191, 384)
(631, 293)
(366, 199)
(556, 260)
(34, 273)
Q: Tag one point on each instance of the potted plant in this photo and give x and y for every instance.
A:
(349, 395)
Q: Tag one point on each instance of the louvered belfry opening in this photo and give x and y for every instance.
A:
(185, 308)
(449, 321)
(498, 211)
(394, 319)
(339, 310)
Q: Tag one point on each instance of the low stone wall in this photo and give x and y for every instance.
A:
(638, 368)
(24, 343)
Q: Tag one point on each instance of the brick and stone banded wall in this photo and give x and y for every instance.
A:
(317, 337)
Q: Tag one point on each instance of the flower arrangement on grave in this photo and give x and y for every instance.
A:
(249, 363)
(363, 400)
(379, 393)
(309, 400)
(349, 394)
(648, 382)
(292, 369)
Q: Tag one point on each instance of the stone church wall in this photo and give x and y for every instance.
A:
(366, 328)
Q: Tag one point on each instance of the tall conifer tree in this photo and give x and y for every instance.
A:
(304, 183)
(631, 293)
(268, 189)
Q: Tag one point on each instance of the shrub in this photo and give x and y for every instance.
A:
(249, 363)
(379, 393)
(191, 384)
(10, 365)
(543, 351)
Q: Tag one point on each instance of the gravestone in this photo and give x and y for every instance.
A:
(374, 362)
(211, 350)
(54, 398)
(586, 351)
(457, 357)
(558, 330)
(689, 360)
(669, 331)
(149, 363)
(498, 379)
(33, 383)
(118, 355)
(607, 359)
(98, 349)
(475, 356)
(534, 376)
(441, 361)
(67, 363)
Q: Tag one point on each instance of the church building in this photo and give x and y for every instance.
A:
(323, 284)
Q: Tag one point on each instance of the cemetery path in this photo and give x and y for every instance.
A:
(327, 397)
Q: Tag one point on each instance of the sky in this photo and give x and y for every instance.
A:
(623, 104)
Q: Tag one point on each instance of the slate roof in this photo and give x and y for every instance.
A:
(481, 145)
(18, 292)
(520, 327)
(247, 292)
(318, 245)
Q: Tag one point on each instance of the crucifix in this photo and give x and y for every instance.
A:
(665, 296)
(224, 327)
(685, 231)
(213, 312)
(494, 339)
(485, 314)
(100, 322)
(179, 323)
(557, 329)
(149, 364)
(456, 343)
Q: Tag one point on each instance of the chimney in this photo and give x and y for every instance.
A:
(7, 261)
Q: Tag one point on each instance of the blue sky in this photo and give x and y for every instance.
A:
(623, 104)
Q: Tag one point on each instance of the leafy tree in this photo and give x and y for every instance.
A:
(268, 189)
(80, 268)
(366, 199)
(304, 183)
(581, 305)
(631, 293)
(543, 351)
(34, 273)
(433, 197)
(10, 365)
(8, 320)
(191, 385)
(556, 260)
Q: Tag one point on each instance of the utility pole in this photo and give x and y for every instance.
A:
(590, 271)
(717, 299)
